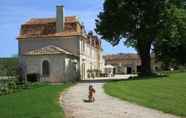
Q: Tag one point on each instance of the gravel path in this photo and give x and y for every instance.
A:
(104, 107)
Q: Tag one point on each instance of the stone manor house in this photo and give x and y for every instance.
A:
(58, 49)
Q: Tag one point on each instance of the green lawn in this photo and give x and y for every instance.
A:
(167, 94)
(37, 102)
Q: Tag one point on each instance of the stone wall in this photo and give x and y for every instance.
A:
(70, 44)
(59, 69)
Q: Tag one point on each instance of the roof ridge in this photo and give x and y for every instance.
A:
(49, 49)
(51, 17)
(37, 21)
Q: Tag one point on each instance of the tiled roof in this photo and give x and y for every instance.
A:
(44, 27)
(71, 19)
(40, 21)
(122, 56)
(68, 19)
(63, 34)
(48, 50)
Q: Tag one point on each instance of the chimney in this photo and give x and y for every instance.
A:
(59, 18)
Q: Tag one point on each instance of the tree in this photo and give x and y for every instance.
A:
(170, 48)
(138, 22)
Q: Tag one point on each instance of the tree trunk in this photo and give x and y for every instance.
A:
(145, 64)
(144, 54)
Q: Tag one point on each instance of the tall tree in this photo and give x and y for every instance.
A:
(138, 22)
(170, 47)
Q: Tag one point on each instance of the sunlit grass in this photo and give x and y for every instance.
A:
(167, 94)
(37, 102)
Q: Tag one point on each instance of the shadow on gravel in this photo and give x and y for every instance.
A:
(87, 101)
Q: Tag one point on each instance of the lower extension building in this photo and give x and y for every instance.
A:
(58, 49)
(128, 63)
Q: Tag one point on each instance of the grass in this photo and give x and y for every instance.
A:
(167, 94)
(37, 102)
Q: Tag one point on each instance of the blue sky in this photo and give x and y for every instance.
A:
(15, 12)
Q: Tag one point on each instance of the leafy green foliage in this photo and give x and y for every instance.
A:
(170, 47)
(7, 86)
(138, 23)
(166, 94)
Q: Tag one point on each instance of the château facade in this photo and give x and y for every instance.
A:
(58, 49)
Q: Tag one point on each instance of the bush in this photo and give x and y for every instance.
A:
(4, 90)
(10, 86)
(7, 86)
(182, 68)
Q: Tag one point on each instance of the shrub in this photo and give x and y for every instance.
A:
(4, 89)
(7, 86)
(12, 86)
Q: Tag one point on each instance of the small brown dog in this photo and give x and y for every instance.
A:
(91, 95)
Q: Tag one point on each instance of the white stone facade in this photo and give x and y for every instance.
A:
(63, 44)
(62, 67)
(90, 58)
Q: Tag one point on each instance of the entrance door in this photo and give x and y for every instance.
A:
(129, 70)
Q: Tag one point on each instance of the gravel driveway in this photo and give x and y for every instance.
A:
(105, 106)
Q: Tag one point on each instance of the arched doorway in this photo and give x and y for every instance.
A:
(129, 70)
(45, 68)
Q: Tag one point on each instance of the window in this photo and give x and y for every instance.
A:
(83, 46)
(45, 68)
